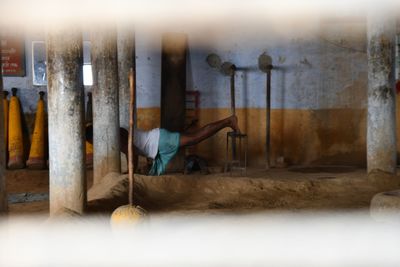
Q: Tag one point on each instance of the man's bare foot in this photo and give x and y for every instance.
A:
(234, 123)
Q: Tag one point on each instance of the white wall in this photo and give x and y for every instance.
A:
(311, 72)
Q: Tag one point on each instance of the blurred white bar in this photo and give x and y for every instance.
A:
(192, 240)
(179, 13)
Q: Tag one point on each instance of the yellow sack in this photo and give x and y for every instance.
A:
(15, 139)
(37, 152)
(5, 107)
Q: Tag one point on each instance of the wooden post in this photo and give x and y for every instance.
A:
(131, 156)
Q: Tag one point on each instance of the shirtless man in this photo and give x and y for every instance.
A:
(162, 145)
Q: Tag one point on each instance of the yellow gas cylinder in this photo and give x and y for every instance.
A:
(37, 152)
(15, 138)
(5, 107)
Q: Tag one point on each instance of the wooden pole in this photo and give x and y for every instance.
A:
(131, 134)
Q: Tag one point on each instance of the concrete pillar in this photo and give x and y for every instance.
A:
(106, 148)
(126, 60)
(66, 119)
(381, 123)
(3, 194)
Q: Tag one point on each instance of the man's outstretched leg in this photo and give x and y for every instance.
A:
(189, 139)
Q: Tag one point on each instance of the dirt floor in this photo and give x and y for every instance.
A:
(294, 189)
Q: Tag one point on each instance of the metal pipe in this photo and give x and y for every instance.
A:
(233, 105)
(268, 121)
(233, 111)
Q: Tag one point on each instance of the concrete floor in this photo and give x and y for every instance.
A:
(294, 189)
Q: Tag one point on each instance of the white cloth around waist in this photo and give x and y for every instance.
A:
(146, 142)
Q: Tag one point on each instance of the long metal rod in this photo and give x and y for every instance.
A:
(233, 105)
(268, 122)
(233, 111)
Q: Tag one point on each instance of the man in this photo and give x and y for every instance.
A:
(162, 145)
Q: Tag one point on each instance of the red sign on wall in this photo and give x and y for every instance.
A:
(12, 56)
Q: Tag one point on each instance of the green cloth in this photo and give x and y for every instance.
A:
(168, 146)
